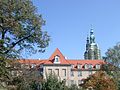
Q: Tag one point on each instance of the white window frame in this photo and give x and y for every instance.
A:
(72, 66)
(57, 61)
(86, 66)
(33, 65)
(90, 66)
(79, 66)
(79, 73)
(97, 66)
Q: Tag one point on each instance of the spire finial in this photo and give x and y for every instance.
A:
(92, 37)
(91, 30)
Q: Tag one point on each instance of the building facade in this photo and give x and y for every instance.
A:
(72, 71)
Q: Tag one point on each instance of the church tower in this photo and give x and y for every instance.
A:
(92, 50)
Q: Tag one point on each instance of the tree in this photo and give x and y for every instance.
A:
(53, 83)
(20, 28)
(74, 87)
(113, 55)
(113, 59)
(100, 81)
(24, 77)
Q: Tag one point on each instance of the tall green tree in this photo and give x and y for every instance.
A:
(113, 59)
(20, 28)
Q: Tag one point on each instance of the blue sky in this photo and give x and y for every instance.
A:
(69, 21)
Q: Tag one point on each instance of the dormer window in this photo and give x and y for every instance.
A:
(90, 66)
(57, 59)
(72, 66)
(41, 66)
(97, 66)
(86, 66)
(79, 66)
(33, 65)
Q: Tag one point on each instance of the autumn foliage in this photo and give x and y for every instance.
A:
(100, 81)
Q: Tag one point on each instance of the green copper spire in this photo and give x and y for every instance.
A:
(87, 48)
(92, 50)
(88, 42)
(92, 37)
(87, 39)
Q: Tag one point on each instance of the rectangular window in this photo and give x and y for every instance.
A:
(72, 66)
(90, 72)
(79, 66)
(64, 72)
(79, 73)
(72, 73)
(33, 65)
(90, 66)
(56, 59)
(57, 72)
(97, 66)
(49, 71)
(86, 66)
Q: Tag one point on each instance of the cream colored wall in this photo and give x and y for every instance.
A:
(85, 74)
(68, 76)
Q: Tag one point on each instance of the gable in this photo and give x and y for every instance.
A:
(58, 55)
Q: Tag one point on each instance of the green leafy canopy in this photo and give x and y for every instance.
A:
(20, 27)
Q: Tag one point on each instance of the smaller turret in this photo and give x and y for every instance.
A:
(87, 48)
(87, 44)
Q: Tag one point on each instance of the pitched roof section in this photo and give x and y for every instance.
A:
(89, 62)
(32, 61)
(62, 59)
(83, 62)
(56, 52)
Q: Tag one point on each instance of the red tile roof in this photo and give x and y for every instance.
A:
(62, 60)
(83, 62)
(32, 61)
